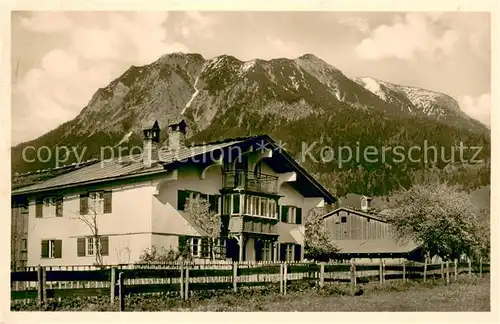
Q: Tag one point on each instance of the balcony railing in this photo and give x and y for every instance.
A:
(250, 181)
(253, 226)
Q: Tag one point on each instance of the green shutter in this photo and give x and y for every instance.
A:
(205, 251)
(298, 252)
(39, 208)
(182, 243)
(58, 249)
(284, 213)
(213, 203)
(59, 206)
(104, 245)
(181, 199)
(84, 204)
(45, 249)
(298, 215)
(282, 256)
(80, 246)
(236, 204)
(108, 203)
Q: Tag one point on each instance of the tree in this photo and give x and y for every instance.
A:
(441, 218)
(205, 219)
(318, 244)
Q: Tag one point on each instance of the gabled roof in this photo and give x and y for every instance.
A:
(353, 211)
(132, 166)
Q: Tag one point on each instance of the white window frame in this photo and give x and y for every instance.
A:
(290, 252)
(267, 247)
(89, 246)
(292, 215)
(96, 202)
(52, 249)
(192, 240)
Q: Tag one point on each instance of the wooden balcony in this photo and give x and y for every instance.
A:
(260, 226)
(248, 180)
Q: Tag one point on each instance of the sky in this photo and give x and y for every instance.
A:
(60, 59)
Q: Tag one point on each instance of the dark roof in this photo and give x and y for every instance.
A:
(353, 211)
(132, 166)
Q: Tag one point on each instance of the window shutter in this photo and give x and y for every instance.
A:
(284, 213)
(282, 252)
(213, 203)
(181, 199)
(104, 245)
(236, 204)
(258, 250)
(204, 247)
(84, 203)
(182, 243)
(298, 252)
(39, 208)
(59, 206)
(57, 249)
(298, 215)
(45, 249)
(80, 242)
(108, 203)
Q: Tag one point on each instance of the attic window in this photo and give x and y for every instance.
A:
(343, 219)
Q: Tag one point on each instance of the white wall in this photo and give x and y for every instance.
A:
(130, 217)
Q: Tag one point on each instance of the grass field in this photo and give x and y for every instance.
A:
(467, 294)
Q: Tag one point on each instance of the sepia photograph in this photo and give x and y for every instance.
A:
(250, 161)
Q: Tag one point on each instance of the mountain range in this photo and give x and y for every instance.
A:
(293, 100)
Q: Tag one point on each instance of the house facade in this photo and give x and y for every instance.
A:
(366, 237)
(129, 204)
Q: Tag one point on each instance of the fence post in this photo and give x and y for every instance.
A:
(322, 274)
(404, 271)
(383, 271)
(121, 291)
(381, 274)
(40, 284)
(425, 268)
(353, 276)
(281, 278)
(182, 280)
(455, 268)
(112, 285)
(186, 290)
(285, 270)
(442, 269)
(235, 276)
(470, 267)
(447, 273)
(480, 267)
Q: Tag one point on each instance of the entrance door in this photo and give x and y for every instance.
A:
(232, 249)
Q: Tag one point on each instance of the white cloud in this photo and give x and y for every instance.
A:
(408, 36)
(279, 48)
(358, 23)
(86, 56)
(197, 23)
(477, 107)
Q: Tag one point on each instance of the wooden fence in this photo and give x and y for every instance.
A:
(43, 283)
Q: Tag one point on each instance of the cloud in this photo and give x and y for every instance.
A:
(477, 107)
(280, 48)
(85, 57)
(195, 23)
(410, 35)
(358, 23)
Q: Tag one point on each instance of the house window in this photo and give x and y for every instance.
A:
(88, 246)
(343, 219)
(24, 244)
(267, 250)
(291, 214)
(51, 249)
(260, 206)
(195, 246)
(290, 249)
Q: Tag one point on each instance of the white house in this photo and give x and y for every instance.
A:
(261, 193)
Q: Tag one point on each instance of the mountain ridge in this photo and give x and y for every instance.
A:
(227, 97)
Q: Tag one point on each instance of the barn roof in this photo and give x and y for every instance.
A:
(353, 211)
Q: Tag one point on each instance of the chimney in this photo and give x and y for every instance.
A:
(176, 135)
(365, 204)
(150, 144)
